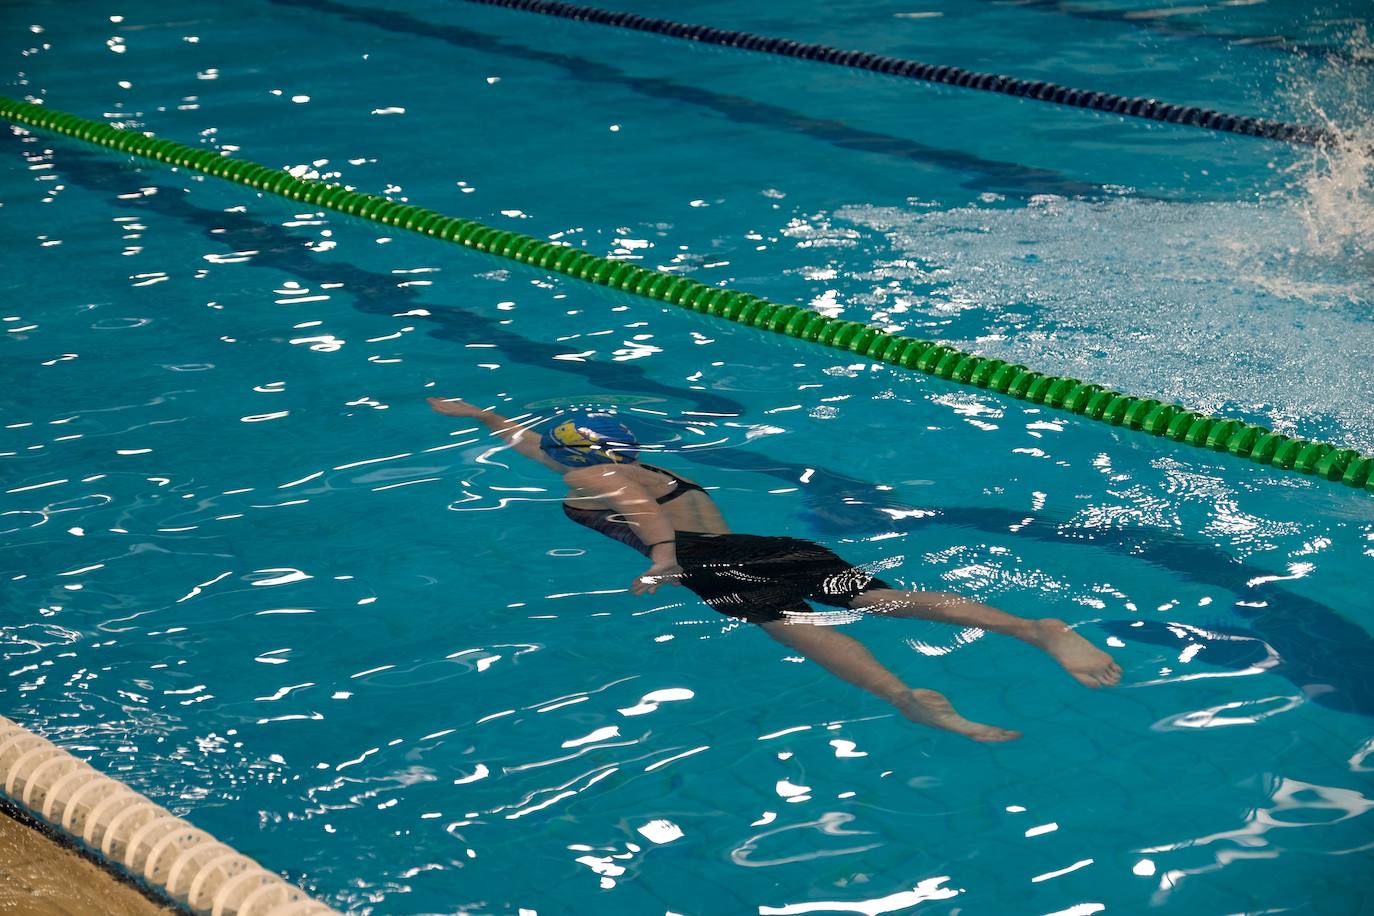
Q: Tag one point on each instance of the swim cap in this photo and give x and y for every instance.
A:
(580, 439)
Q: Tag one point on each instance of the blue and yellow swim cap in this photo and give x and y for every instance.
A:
(580, 439)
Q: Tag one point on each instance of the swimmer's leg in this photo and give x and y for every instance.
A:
(848, 659)
(1088, 664)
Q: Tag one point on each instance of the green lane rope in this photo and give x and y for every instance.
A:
(1173, 421)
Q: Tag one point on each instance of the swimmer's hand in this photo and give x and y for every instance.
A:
(455, 407)
(648, 581)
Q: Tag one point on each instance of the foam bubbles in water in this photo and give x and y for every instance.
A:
(1216, 305)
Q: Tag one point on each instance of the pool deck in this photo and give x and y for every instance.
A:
(41, 877)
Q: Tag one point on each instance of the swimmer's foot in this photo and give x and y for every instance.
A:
(927, 707)
(1088, 664)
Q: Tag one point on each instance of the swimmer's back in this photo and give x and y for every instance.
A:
(685, 502)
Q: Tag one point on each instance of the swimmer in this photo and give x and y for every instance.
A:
(766, 581)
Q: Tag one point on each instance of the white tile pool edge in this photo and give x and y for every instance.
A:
(126, 829)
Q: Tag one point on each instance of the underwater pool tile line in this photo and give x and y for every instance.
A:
(149, 843)
(1034, 90)
(1244, 440)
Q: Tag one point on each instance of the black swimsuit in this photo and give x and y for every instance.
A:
(755, 578)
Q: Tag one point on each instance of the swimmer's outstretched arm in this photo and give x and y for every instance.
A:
(515, 435)
(600, 482)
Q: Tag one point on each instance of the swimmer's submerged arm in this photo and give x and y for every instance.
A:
(641, 512)
(631, 501)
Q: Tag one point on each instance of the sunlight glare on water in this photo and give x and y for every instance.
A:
(249, 571)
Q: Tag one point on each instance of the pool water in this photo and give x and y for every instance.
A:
(248, 571)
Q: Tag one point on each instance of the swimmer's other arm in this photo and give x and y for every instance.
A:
(514, 435)
(637, 507)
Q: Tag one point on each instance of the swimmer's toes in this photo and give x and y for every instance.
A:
(1088, 665)
(929, 707)
(993, 735)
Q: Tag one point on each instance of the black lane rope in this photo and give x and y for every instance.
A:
(1003, 177)
(1036, 90)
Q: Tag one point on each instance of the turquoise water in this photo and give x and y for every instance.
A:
(248, 571)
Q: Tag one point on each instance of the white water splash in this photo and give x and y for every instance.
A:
(1336, 182)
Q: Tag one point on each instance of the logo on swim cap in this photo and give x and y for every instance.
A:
(589, 438)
